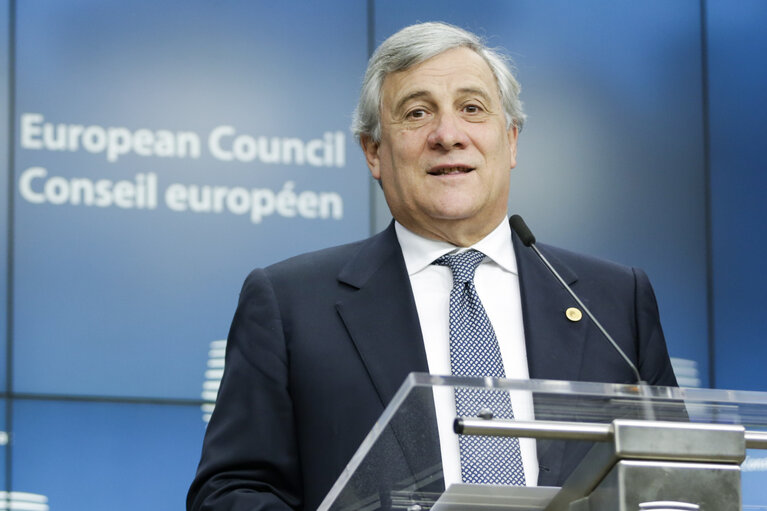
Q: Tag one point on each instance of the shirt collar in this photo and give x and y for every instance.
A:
(420, 252)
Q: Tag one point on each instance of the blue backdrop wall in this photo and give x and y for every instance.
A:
(157, 151)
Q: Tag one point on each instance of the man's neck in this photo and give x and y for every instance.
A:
(459, 234)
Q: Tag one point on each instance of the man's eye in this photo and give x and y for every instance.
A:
(472, 109)
(418, 113)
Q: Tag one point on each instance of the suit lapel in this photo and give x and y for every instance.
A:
(554, 343)
(380, 314)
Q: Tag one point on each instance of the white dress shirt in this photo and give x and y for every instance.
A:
(497, 284)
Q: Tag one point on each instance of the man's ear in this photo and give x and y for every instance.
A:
(370, 148)
(513, 134)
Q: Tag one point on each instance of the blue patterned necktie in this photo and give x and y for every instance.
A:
(474, 351)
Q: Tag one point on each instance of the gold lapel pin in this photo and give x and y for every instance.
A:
(573, 314)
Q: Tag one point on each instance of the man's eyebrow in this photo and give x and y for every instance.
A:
(418, 94)
(475, 90)
(413, 95)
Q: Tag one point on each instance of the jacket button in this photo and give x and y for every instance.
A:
(573, 314)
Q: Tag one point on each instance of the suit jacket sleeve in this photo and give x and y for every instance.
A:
(653, 359)
(249, 458)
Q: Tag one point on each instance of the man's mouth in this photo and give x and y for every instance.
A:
(447, 170)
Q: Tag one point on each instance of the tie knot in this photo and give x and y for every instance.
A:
(462, 265)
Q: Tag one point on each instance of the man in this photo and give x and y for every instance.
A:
(320, 343)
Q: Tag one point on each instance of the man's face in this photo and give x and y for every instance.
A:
(445, 155)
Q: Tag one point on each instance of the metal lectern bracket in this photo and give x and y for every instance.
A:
(634, 459)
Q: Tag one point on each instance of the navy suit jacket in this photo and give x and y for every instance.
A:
(320, 343)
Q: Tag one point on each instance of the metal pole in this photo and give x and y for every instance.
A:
(592, 431)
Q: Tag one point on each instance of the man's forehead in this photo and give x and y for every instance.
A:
(461, 70)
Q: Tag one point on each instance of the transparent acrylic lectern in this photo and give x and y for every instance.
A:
(599, 447)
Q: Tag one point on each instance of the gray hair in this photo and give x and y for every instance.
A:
(415, 44)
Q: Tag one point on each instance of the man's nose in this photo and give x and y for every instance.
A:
(448, 132)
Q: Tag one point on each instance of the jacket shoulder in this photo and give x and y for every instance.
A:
(589, 267)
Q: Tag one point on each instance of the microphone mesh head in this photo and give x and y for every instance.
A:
(520, 227)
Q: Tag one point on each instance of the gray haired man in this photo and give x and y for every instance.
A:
(320, 343)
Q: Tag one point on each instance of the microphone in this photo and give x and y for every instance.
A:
(526, 236)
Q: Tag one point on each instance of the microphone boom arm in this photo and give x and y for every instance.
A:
(588, 313)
